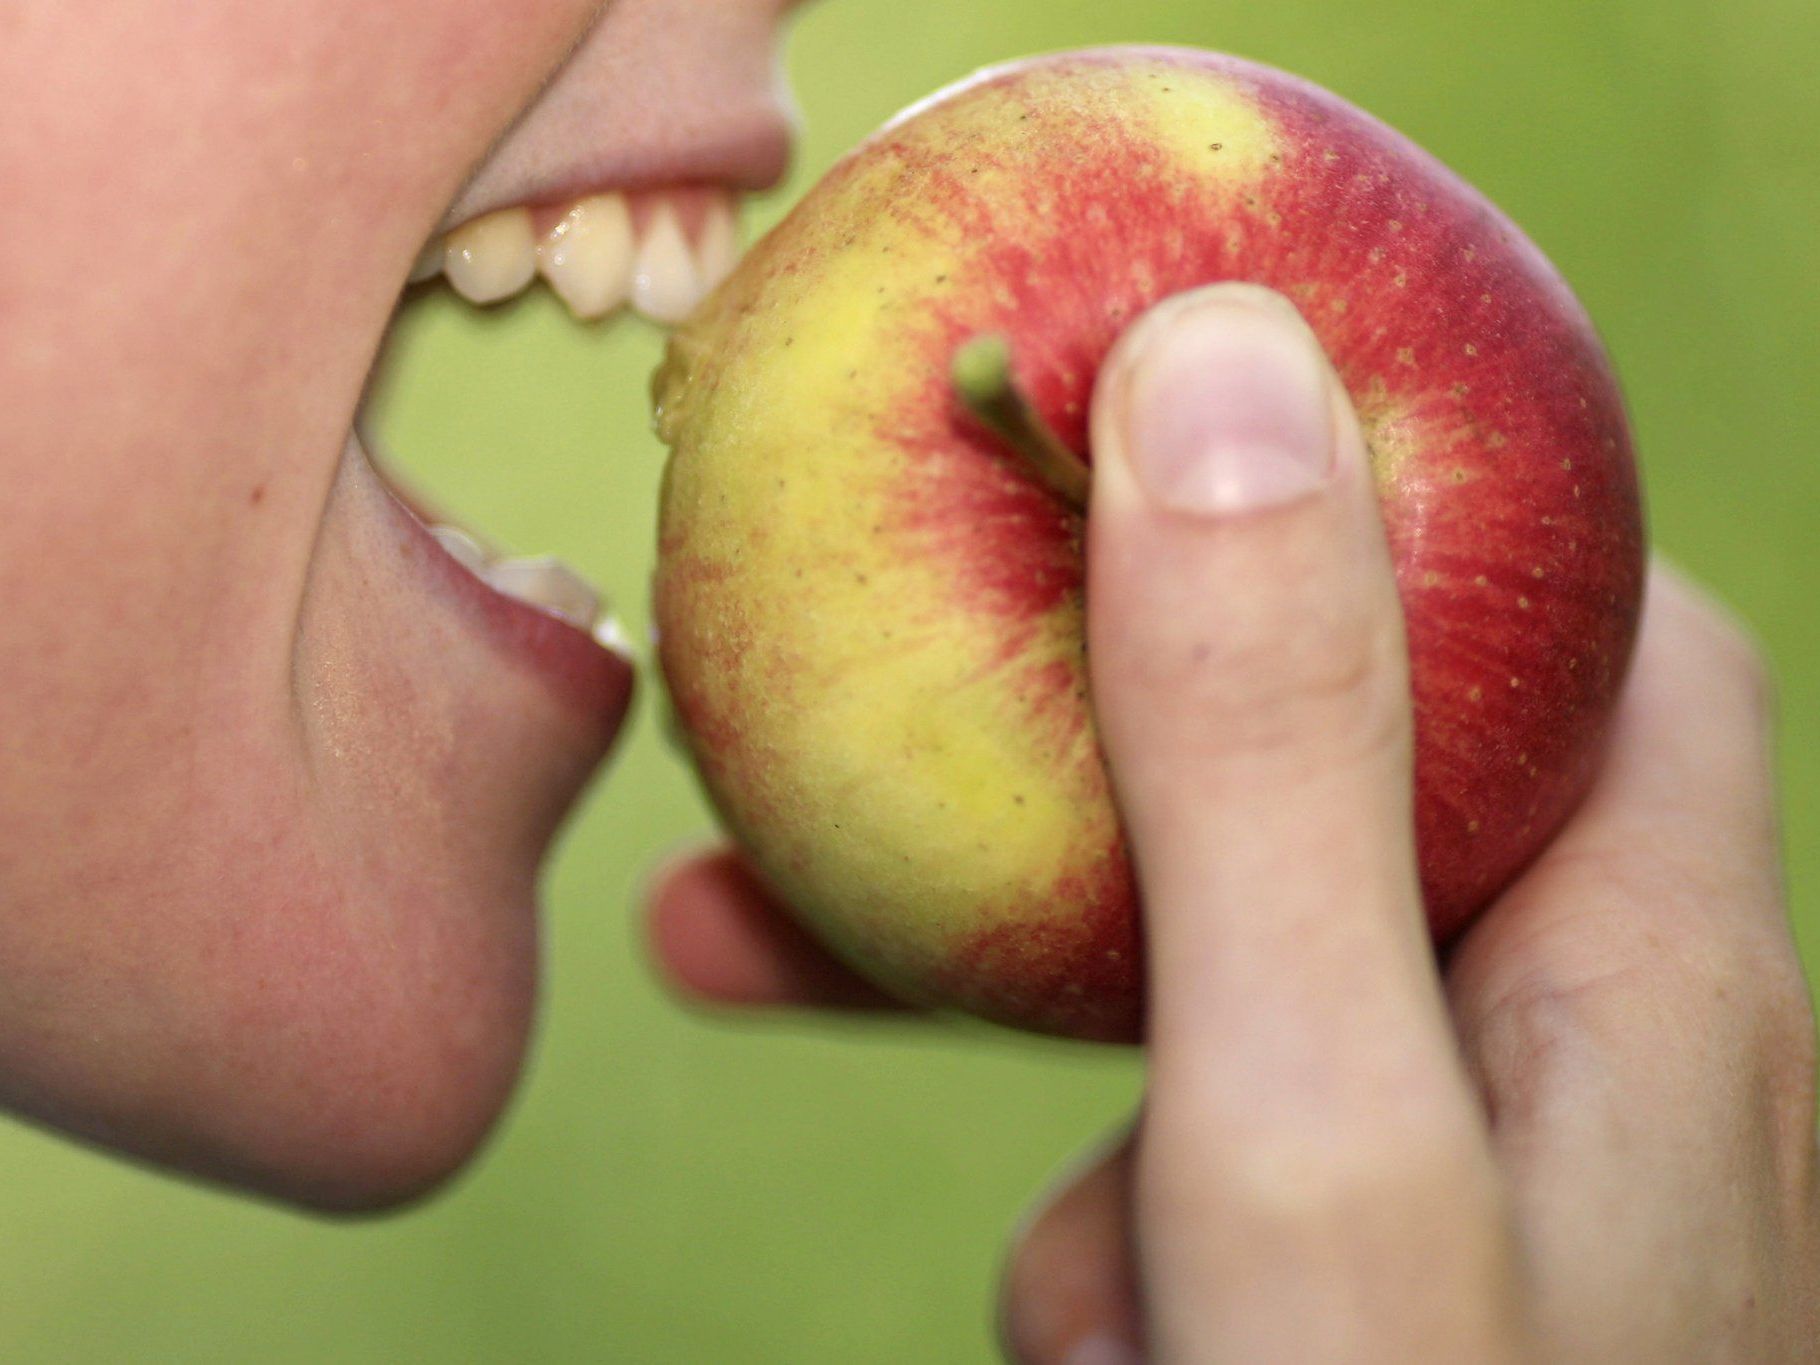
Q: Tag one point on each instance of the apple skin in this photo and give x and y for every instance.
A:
(870, 619)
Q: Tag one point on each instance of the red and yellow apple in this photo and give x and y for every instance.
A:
(870, 618)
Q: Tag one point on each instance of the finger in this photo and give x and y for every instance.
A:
(1688, 776)
(718, 936)
(1310, 1136)
(1635, 1005)
(1070, 1292)
(1251, 683)
(1669, 874)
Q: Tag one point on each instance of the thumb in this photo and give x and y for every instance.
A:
(1250, 678)
(1249, 669)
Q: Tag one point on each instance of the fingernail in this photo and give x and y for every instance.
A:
(1227, 408)
(1103, 1349)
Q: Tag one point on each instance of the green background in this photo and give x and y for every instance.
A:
(674, 1188)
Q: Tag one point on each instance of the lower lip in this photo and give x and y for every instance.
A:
(590, 679)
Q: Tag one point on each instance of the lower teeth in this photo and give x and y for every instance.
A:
(462, 548)
(541, 581)
(549, 584)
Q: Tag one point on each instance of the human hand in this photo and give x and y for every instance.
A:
(1592, 1137)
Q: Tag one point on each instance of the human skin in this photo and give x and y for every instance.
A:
(274, 791)
(271, 802)
(1589, 1135)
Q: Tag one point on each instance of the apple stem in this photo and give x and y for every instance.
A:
(983, 382)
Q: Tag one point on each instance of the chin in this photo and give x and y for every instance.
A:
(371, 1093)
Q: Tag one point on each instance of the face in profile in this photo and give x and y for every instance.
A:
(281, 761)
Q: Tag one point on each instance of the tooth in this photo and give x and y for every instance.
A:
(462, 548)
(491, 258)
(665, 286)
(609, 634)
(718, 251)
(587, 257)
(429, 262)
(548, 583)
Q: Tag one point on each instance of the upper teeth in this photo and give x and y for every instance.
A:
(666, 286)
(602, 252)
(491, 258)
(718, 251)
(587, 257)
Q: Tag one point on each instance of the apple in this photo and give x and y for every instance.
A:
(870, 610)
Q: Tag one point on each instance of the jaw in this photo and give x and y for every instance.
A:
(306, 959)
(466, 703)
(279, 771)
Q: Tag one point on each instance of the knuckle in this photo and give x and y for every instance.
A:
(1521, 1040)
(1298, 1185)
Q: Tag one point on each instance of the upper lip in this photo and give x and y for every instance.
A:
(751, 154)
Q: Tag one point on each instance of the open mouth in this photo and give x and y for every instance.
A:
(649, 252)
